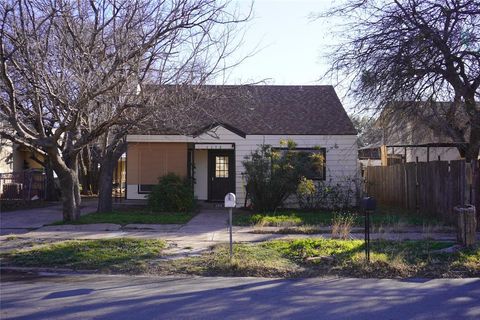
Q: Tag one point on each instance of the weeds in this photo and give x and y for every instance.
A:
(121, 254)
(342, 224)
(295, 258)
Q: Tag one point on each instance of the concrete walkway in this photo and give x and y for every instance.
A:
(24, 220)
(206, 229)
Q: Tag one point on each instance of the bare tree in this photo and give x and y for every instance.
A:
(367, 132)
(415, 50)
(72, 71)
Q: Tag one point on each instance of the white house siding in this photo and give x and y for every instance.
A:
(6, 150)
(201, 174)
(341, 153)
(5, 161)
(446, 154)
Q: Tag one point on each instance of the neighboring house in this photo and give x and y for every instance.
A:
(16, 180)
(13, 157)
(6, 150)
(411, 131)
(370, 155)
(213, 151)
(6, 157)
(24, 159)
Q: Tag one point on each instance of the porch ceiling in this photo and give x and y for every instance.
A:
(216, 146)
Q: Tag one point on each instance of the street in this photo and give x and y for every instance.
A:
(149, 297)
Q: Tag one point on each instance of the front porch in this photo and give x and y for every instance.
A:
(209, 166)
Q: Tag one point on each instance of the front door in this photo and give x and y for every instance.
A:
(221, 174)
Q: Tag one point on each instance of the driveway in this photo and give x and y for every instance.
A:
(135, 297)
(21, 221)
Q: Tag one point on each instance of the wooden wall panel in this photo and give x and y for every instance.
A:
(149, 161)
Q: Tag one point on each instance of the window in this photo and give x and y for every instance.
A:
(145, 188)
(221, 166)
(313, 160)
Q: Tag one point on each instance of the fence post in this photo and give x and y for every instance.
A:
(473, 191)
(44, 185)
(30, 176)
(405, 178)
(417, 187)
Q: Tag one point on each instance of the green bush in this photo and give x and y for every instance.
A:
(172, 194)
(314, 195)
(274, 174)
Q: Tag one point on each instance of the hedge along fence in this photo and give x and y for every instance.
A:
(432, 188)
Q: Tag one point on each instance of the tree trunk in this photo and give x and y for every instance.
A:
(50, 190)
(105, 183)
(88, 171)
(67, 172)
(473, 146)
(70, 199)
(466, 225)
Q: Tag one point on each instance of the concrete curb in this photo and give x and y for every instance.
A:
(53, 271)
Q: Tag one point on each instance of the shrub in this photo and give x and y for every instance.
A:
(342, 224)
(273, 175)
(323, 195)
(172, 194)
(306, 193)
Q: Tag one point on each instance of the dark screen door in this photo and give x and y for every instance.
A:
(221, 174)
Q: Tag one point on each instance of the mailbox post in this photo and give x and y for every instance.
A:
(230, 203)
(369, 204)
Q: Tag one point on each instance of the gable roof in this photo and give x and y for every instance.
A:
(421, 122)
(266, 110)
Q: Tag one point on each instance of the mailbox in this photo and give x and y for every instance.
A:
(369, 204)
(230, 200)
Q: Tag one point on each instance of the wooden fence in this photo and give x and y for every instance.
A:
(432, 188)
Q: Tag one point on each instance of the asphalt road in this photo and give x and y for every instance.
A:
(141, 297)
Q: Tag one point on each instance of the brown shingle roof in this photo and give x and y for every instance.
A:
(270, 110)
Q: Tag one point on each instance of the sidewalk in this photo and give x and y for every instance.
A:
(24, 220)
(206, 229)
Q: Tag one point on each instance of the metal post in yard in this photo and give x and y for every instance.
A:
(369, 205)
(231, 237)
(367, 235)
(230, 203)
(417, 187)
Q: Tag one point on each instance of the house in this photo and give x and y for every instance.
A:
(21, 177)
(235, 123)
(6, 161)
(413, 131)
(16, 158)
(370, 155)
